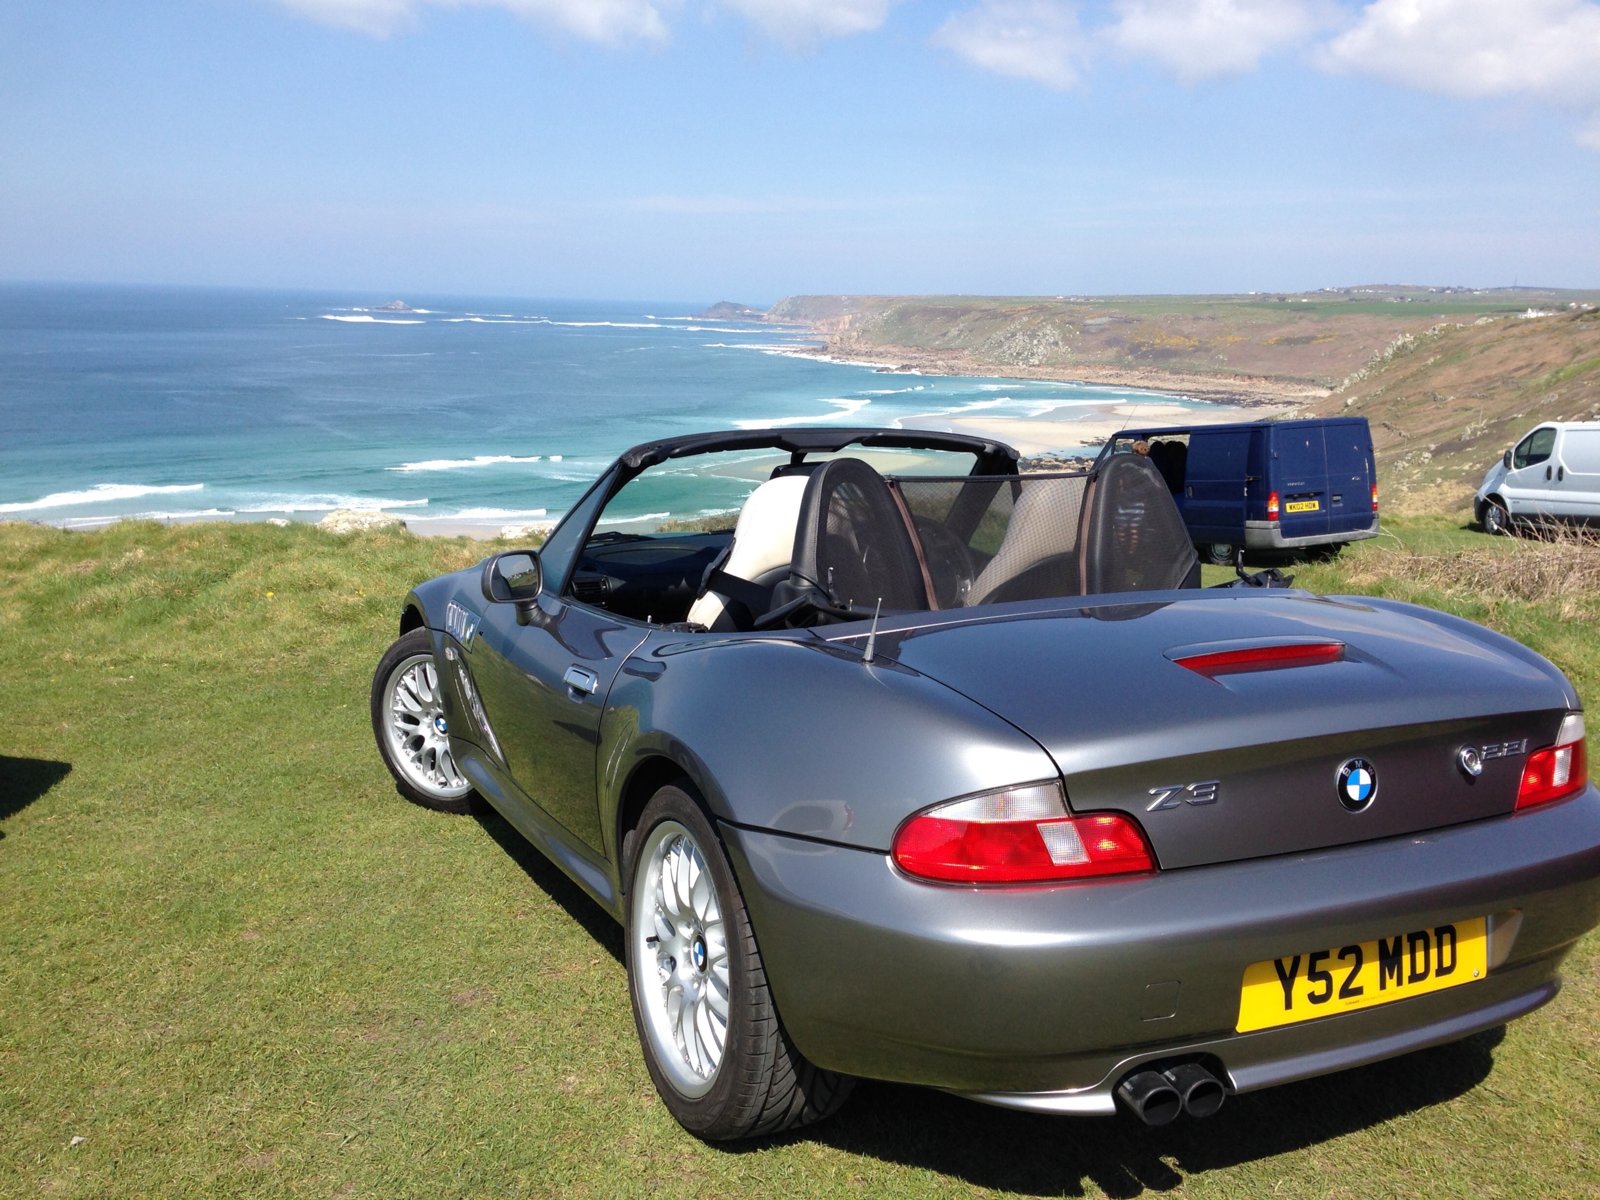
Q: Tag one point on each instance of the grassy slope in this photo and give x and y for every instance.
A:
(235, 963)
(1445, 403)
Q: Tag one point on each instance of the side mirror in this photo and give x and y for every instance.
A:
(513, 576)
(1506, 459)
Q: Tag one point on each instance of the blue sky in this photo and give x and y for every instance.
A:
(749, 149)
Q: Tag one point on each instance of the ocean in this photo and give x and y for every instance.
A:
(187, 403)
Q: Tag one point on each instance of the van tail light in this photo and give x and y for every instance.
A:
(1272, 506)
(1374, 497)
(1018, 835)
(1558, 771)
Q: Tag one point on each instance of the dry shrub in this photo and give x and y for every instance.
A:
(1556, 565)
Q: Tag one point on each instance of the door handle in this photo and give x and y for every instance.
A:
(1561, 474)
(580, 682)
(1547, 473)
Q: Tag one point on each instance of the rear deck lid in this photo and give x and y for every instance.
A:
(1351, 727)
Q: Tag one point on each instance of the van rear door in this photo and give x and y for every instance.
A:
(1350, 475)
(1299, 474)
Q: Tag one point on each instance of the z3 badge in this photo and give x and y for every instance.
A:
(1176, 795)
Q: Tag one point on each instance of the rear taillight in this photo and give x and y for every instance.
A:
(1374, 497)
(1556, 771)
(1019, 835)
(1272, 506)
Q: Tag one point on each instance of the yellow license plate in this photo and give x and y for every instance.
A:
(1302, 506)
(1302, 987)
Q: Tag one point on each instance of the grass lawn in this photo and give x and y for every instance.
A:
(234, 962)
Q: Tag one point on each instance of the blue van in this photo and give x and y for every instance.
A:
(1266, 485)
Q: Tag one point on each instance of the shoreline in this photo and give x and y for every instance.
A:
(1237, 398)
(1238, 391)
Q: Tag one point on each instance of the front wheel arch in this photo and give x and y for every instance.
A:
(410, 619)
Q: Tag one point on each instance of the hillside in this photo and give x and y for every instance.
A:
(1444, 403)
(1448, 377)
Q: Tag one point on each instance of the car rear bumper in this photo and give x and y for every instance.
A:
(1268, 535)
(1047, 997)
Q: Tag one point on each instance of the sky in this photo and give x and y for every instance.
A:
(699, 150)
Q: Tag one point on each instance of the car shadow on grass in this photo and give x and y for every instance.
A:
(24, 780)
(1066, 1156)
(596, 922)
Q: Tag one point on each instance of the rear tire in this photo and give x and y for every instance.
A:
(712, 1039)
(1220, 553)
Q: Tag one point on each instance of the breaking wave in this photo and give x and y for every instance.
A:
(321, 501)
(464, 464)
(366, 319)
(496, 514)
(843, 407)
(100, 493)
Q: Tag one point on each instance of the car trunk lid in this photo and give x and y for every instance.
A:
(1144, 713)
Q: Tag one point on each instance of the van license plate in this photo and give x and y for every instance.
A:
(1302, 987)
(1302, 506)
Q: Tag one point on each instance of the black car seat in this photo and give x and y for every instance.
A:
(852, 552)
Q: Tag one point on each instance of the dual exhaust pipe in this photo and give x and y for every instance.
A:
(1158, 1097)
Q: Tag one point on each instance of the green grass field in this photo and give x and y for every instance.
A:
(234, 962)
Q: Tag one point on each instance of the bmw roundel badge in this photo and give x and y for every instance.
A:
(1358, 784)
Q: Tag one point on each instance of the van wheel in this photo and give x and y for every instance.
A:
(1495, 518)
(1220, 553)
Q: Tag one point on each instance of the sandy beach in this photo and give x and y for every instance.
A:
(1042, 435)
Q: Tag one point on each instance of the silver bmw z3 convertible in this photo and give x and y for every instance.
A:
(919, 768)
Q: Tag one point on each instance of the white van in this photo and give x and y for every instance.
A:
(1553, 473)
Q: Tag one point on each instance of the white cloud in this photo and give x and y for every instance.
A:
(1039, 40)
(1204, 39)
(608, 21)
(805, 22)
(1549, 49)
